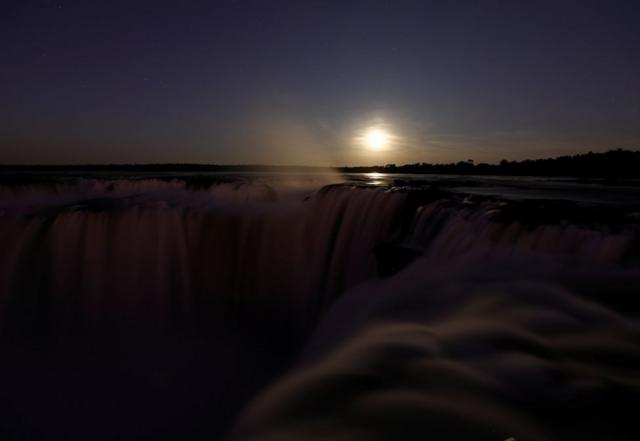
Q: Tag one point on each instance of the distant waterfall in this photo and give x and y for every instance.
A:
(110, 253)
(89, 255)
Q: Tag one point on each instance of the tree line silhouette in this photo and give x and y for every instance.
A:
(617, 163)
(612, 164)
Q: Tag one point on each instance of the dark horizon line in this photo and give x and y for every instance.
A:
(618, 162)
(248, 165)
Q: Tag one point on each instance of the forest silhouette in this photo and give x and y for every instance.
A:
(613, 164)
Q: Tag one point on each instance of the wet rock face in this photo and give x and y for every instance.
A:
(392, 258)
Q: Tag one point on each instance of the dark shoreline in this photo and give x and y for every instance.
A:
(612, 165)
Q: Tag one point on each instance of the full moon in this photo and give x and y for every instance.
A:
(376, 139)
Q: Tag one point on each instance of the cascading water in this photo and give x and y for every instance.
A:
(166, 254)
(244, 270)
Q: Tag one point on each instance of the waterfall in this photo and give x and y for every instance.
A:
(179, 300)
(88, 255)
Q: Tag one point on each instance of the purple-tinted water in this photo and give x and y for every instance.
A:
(378, 307)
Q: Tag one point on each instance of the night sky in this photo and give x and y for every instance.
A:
(301, 82)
